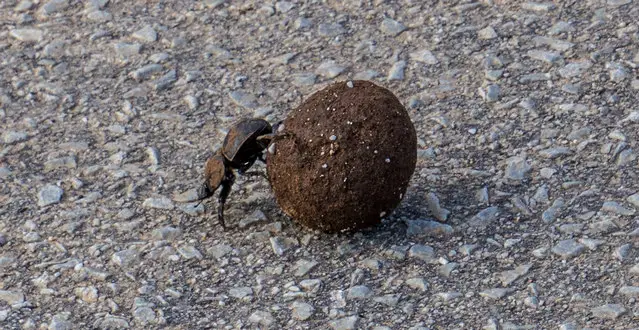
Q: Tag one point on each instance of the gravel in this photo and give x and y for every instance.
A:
(521, 213)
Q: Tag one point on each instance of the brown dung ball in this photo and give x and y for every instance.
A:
(344, 157)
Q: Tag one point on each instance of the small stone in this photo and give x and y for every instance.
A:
(621, 253)
(448, 296)
(145, 34)
(366, 75)
(618, 3)
(112, 322)
(281, 244)
(167, 233)
(490, 93)
(467, 249)
(551, 214)
(62, 162)
(630, 291)
(125, 258)
(447, 269)
(438, 212)
(191, 102)
(424, 56)
(510, 276)
(568, 249)
(330, 29)
(634, 84)
(359, 292)
(532, 302)
(126, 50)
(144, 315)
(154, 155)
(346, 323)
(417, 283)
(23, 5)
(243, 99)
(487, 33)
(311, 285)
(165, 81)
(284, 6)
(485, 217)
(626, 157)
(603, 227)
(88, 294)
(422, 252)
(302, 311)
(49, 194)
(517, 168)
(146, 71)
(301, 23)
(556, 44)
(545, 56)
(256, 217)
(388, 299)
(99, 16)
(220, 250)
(330, 69)
(427, 228)
(495, 293)
(392, 27)
(161, 202)
(574, 69)
(616, 208)
(560, 27)
(53, 6)
(60, 321)
(542, 7)
(609, 311)
(303, 267)
(396, 252)
(397, 71)
(617, 72)
(12, 297)
(303, 79)
(633, 199)
(189, 252)
(10, 137)
(240, 292)
(262, 317)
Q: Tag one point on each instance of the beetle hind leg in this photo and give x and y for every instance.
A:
(226, 190)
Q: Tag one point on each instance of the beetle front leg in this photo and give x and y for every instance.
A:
(226, 189)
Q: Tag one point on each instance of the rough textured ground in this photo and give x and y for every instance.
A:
(522, 212)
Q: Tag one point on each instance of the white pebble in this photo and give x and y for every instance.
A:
(349, 84)
(332, 138)
(387, 160)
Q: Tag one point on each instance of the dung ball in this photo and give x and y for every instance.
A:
(343, 159)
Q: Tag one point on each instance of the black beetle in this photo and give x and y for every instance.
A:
(244, 143)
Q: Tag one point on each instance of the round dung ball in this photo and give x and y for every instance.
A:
(343, 158)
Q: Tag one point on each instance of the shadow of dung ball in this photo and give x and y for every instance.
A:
(345, 158)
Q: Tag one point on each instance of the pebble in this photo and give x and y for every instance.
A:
(240, 292)
(144, 315)
(616, 208)
(284, 6)
(510, 276)
(359, 292)
(303, 79)
(145, 34)
(189, 252)
(560, 27)
(621, 253)
(10, 137)
(62, 162)
(551, 213)
(346, 323)
(125, 50)
(438, 212)
(257, 216)
(616, 71)
(556, 44)
(448, 296)
(388, 299)
(303, 267)
(168, 233)
(161, 202)
(49, 194)
(329, 69)
(99, 16)
(446, 269)
(392, 27)
(633, 199)
(422, 252)
(487, 33)
(495, 293)
(146, 71)
(262, 317)
(417, 283)
(165, 81)
(609, 311)
(574, 69)
(366, 75)
(630, 291)
(517, 168)
(634, 84)
(552, 153)
(603, 227)
(397, 71)
(302, 311)
(330, 29)
(281, 244)
(125, 258)
(111, 322)
(484, 217)
(618, 3)
(427, 228)
(53, 6)
(540, 7)
(243, 99)
(568, 249)
(311, 285)
(626, 157)
(60, 321)
(87, 294)
(490, 93)
(11, 297)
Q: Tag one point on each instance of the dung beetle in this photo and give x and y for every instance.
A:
(244, 143)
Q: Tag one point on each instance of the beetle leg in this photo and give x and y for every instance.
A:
(229, 178)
